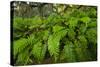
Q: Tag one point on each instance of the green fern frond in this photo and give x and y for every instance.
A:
(82, 52)
(92, 24)
(85, 19)
(19, 45)
(83, 41)
(82, 29)
(57, 28)
(92, 35)
(39, 51)
(73, 22)
(68, 53)
(71, 34)
(53, 43)
(24, 58)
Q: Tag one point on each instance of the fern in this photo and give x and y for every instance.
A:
(83, 41)
(68, 53)
(57, 28)
(24, 58)
(92, 35)
(19, 45)
(82, 29)
(85, 19)
(71, 34)
(82, 53)
(67, 36)
(92, 24)
(53, 43)
(73, 22)
(39, 51)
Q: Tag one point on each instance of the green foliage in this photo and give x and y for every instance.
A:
(91, 35)
(53, 43)
(19, 46)
(73, 22)
(85, 19)
(57, 28)
(83, 41)
(68, 36)
(71, 34)
(24, 58)
(68, 53)
(39, 51)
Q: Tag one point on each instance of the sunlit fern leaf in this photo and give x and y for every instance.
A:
(39, 51)
(57, 28)
(51, 17)
(73, 22)
(22, 24)
(85, 19)
(31, 40)
(45, 34)
(54, 19)
(19, 45)
(68, 53)
(23, 58)
(37, 20)
(53, 43)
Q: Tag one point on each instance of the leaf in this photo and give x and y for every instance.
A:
(19, 46)
(73, 22)
(39, 51)
(57, 28)
(53, 43)
(92, 24)
(82, 52)
(23, 58)
(71, 34)
(85, 19)
(68, 53)
(92, 35)
(82, 29)
(83, 41)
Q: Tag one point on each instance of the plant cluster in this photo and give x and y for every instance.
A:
(58, 38)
